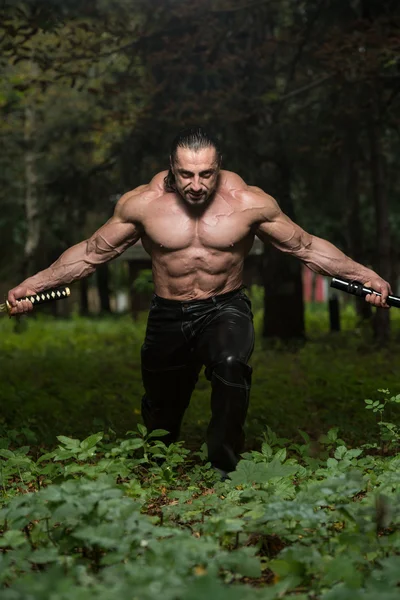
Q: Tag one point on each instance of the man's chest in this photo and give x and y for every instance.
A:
(216, 229)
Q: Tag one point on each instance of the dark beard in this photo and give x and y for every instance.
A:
(193, 207)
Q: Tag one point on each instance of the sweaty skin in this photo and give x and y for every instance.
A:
(197, 236)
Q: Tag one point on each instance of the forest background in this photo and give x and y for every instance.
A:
(304, 97)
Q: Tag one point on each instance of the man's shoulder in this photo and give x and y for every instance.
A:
(157, 184)
(133, 204)
(151, 190)
(232, 183)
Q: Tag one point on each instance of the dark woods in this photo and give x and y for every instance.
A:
(304, 97)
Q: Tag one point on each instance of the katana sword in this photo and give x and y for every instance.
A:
(47, 296)
(358, 289)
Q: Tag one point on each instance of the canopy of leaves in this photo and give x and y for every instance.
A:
(282, 83)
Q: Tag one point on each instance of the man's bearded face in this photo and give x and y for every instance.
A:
(196, 174)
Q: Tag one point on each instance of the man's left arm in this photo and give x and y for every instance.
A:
(318, 254)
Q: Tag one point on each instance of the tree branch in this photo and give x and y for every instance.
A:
(305, 88)
(303, 43)
(230, 9)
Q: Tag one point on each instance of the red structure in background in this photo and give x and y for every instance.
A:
(314, 286)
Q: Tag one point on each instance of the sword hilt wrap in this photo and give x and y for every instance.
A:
(41, 298)
(358, 289)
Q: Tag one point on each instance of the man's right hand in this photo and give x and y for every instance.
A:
(19, 307)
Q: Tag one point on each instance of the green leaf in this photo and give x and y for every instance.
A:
(6, 453)
(340, 452)
(70, 443)
(305, 436)
(280, 455)
(390, 571)
(142, 429)
(135, 444)
(12, 538)
(91, 441)
(65, 454)
(333, 434)
(44, 555)
(248, 472)
(249, 566)
(283, 568)
(266, 450)
(343, 568)
(158, 433)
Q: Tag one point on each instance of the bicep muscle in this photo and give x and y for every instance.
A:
(115, 236)
(278, 229)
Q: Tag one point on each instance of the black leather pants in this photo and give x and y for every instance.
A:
(181, 337)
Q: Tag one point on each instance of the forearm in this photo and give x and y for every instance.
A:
(323, 257)
(75, 263)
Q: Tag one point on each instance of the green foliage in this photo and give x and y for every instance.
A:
(107, 518)
(390, 432)
(106, 106)
(94, 514)
(83, 375)
(306, 514)
(143, 283)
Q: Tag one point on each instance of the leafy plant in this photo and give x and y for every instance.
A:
(389, 432)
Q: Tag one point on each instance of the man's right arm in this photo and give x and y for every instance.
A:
(81, 260)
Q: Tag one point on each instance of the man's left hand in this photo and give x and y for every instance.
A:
(381, 286)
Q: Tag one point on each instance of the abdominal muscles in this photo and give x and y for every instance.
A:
(196, 272)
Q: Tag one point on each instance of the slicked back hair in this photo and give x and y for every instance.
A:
(193, 138)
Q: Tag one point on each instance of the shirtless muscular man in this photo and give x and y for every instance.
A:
(198, 223)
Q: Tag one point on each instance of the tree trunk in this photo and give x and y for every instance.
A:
(354, 225)
(32, 212)
(379, 193)
(103, 288)
(83, 297)
(31, 197)
(283, 298)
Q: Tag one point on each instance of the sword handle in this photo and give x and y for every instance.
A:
(43, 297)
(358, 289)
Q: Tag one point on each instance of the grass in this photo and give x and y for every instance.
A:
(110, 517)
(80, 375)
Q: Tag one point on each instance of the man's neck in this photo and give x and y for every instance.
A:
(193, 211)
